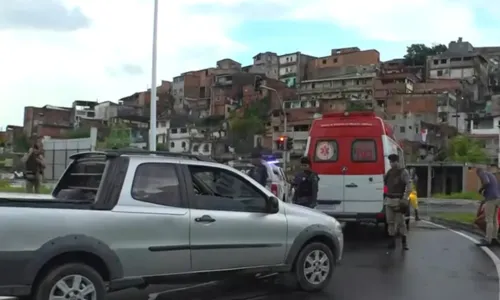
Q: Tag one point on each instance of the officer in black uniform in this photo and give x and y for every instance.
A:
(306, 185)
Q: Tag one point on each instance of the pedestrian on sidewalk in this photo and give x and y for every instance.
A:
(491, 202)
(413, 194)
(396, 201)
(34, 166)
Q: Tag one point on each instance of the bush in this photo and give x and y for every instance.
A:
(463, 195)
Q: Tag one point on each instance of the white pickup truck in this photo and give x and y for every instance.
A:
(118, 220)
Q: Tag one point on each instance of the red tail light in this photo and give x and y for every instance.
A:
(386, 189)
(274, 189)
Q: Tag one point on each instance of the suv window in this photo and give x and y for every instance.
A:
(326, 151)
(220, 189)
(364, 150)
(157, 183)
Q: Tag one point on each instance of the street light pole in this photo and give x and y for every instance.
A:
(282, 104)
(152, 117)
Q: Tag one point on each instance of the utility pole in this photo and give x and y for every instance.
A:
(285, 133)
(152, 102)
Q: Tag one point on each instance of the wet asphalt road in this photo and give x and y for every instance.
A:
(439, 265)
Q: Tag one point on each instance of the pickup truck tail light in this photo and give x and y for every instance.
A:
(386, 189)
(274, 189)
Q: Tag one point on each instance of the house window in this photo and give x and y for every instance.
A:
(173, 130)
(335, 60)
(436, 61)
(183, 130)
(440, 73)
(196, 148)
(402, 129)
(206, 148)
(324, 61)
(172, 145)
(183, 145)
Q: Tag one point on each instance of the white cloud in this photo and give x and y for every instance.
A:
(57, 67)
(41, 67)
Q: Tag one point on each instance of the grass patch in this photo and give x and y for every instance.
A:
(464, 195)
(16, 189)
(464, 217)
(7, 188)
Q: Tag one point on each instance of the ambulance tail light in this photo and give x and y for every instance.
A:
(274, 189)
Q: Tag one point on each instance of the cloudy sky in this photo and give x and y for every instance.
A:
(57, 51)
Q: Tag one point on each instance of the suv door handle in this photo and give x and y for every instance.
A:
(351, 185)
(205, 219)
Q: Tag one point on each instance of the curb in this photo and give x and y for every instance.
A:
(471, 228)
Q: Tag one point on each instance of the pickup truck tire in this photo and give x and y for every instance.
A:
(314, 267)
(60, 281)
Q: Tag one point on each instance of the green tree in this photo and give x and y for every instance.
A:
(416, 54)
(21, 143)
(466, 150)
(246, 124)
(118, 138)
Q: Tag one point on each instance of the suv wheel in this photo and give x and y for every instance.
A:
(71, 282)
(314, 267)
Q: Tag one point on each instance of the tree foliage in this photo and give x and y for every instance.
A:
(119, 137)
(21, 143)
(416, 54)
(466, 150)
(247, 123)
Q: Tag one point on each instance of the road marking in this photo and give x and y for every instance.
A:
(491, 254)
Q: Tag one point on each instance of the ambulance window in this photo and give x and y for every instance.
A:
(364, 150)
(326, 151)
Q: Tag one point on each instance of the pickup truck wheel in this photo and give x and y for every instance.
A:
(314, 267)
(72, 281)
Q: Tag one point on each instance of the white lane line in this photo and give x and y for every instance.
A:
(491, 254)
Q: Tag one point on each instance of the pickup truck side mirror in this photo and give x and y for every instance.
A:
(273, 204)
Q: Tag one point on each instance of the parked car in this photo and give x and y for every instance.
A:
(118, 220)
(278, 184)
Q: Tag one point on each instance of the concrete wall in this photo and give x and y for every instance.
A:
(58, 151)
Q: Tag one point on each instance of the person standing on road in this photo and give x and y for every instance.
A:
(413, 193)
(396, 201)
(34, 166)
(259, 172)
(491, 202)
(306, 185)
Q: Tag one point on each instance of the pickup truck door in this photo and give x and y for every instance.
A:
(230, 228)
(153, 221)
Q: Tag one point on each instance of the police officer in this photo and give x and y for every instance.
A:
(306, 185)
(396, 201)
(259, 171)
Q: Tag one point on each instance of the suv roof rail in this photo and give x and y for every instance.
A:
(119, 152)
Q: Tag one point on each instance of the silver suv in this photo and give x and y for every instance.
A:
(129, 219)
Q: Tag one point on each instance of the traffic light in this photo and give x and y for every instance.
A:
(280, 143)
(289, 143)
(257, 83)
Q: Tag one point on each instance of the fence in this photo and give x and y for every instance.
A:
(57, 153)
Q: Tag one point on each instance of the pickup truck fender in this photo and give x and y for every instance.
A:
(73, 243)
(312, 232)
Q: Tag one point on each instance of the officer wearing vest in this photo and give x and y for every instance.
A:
(396, 201)
(306, 185)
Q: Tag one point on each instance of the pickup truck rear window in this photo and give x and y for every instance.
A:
(157, 183)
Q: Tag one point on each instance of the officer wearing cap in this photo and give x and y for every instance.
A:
(259, 171)
(306, 185)
(398, 183)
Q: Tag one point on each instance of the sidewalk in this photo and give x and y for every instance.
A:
(447, 202)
